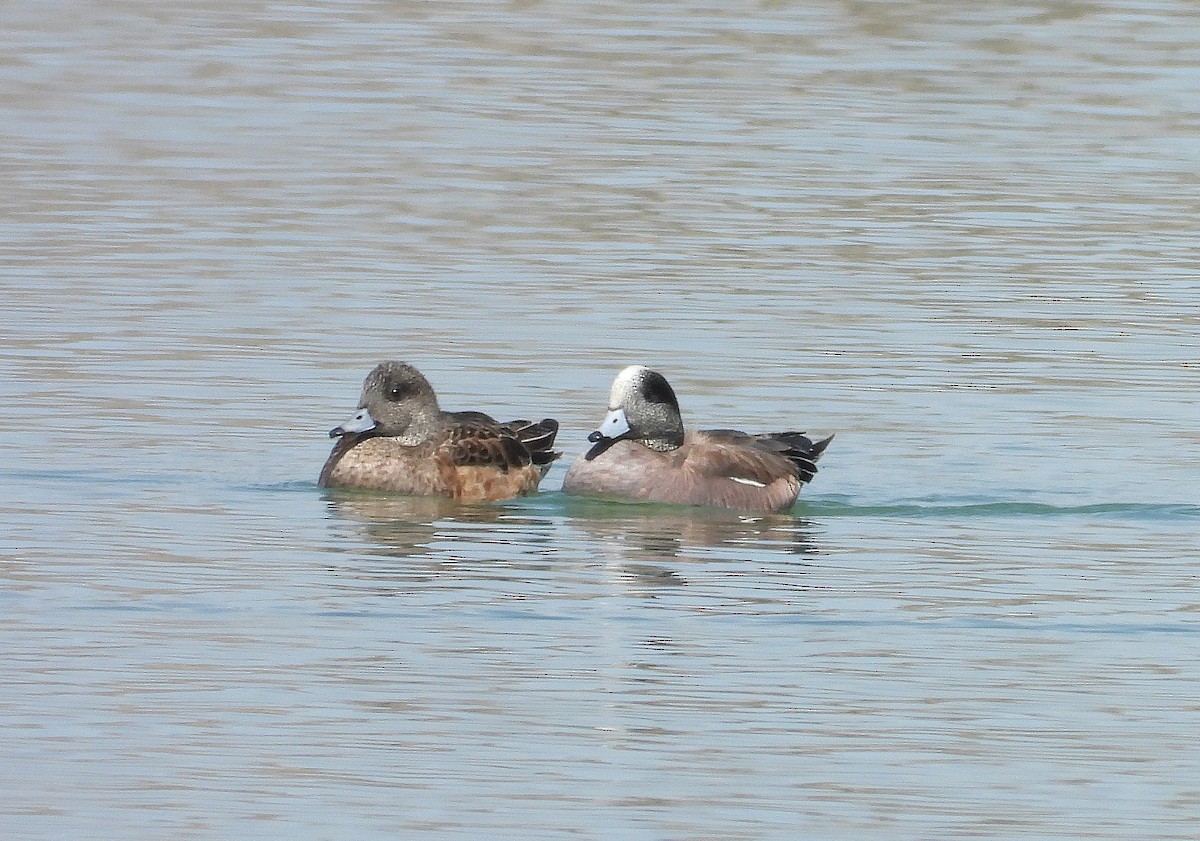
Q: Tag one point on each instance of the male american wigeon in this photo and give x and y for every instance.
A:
(641, 451)
(400, 440)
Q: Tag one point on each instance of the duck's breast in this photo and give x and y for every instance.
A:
(384, 464)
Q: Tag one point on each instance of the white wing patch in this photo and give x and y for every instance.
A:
(749, 482)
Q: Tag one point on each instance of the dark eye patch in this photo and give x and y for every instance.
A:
(656, 389)
(395, 391)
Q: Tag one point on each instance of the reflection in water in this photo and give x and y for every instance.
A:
(650, 532)
(646, 546)
(425, 539)
(655, 546)
(651, 576)
(403, 526)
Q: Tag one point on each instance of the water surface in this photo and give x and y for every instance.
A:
(962, 238)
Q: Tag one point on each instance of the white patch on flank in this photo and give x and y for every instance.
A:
(749, 482)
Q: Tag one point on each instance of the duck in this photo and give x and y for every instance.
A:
(641, 451)
(401, 441)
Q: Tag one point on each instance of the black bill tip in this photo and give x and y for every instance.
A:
(602, 444)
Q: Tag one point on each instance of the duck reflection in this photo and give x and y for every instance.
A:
(649, 533)
(650, 576)
(641, 546)
(403, 526)
(439, 538)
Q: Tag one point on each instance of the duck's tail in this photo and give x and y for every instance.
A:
(538, 438)
(800, 450)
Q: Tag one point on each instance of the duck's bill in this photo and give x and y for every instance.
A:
(612, 429)
(615, 425)
(361, 422)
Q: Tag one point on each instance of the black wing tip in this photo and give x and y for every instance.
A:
(537, 438)
(802, 452)
(818, 447)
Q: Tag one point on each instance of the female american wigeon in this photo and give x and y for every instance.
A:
(400, 440)
(641, 451)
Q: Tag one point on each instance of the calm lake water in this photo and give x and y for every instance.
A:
(961, 236)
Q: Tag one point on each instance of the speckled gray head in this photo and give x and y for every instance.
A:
(641, 407)
(397, 401)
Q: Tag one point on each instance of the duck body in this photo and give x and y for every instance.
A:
(400, 441)
(642, 452)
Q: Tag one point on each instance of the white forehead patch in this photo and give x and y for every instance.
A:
(625, 386)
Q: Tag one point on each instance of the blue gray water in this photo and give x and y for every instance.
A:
(964, 238)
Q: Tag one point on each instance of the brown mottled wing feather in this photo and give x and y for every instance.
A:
(538, 438)
(469, 444)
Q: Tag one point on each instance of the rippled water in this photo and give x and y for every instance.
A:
(963, 237)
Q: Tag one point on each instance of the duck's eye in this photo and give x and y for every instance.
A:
(395, 392)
